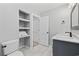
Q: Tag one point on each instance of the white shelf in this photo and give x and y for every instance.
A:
(24, 28)
(24, 20)
(24, 36)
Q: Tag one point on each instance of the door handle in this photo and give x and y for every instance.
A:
(47, 32)
(4, 46)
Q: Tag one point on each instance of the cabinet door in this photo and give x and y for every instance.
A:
(61, 48)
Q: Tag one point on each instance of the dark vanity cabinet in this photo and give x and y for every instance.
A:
(62, 48)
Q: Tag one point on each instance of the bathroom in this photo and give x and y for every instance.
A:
(38, 29)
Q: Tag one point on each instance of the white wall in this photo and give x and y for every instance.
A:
(9, 21)
(55, 17)
(32, 8)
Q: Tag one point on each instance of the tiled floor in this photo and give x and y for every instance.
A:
(35, 44)
(38, 50)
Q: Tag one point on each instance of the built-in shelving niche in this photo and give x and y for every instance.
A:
(24, 29)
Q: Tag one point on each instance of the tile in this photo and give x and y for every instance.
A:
(38, 50)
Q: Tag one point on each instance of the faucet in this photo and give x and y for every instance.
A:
(70, 34)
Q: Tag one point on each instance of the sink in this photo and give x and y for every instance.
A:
(65, 36)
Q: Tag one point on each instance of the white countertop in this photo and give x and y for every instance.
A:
(63, 37)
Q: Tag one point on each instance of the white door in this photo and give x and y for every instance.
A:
(44, 32)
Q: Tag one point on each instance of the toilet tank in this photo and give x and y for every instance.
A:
(10, 46)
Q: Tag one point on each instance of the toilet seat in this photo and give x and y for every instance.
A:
(16, 53)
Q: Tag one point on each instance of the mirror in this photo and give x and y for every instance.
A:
(75, 18)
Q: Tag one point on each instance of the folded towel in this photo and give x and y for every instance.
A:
(22, 34)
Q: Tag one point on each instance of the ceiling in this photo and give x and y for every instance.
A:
(40, 7)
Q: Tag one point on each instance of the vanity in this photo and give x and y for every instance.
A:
(65, 46)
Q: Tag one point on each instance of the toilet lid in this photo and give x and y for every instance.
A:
(16, 53)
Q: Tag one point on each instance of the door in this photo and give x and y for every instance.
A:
(44, 32)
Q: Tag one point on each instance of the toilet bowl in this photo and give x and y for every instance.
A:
(11, 48)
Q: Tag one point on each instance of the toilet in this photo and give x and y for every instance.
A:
(11, 48)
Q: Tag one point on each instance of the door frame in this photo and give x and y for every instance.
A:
(34, 15)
